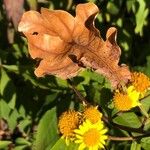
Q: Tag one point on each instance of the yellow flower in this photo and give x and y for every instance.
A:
(141, 82)
(91, 113)
(68, 121)
(91, 136)
(128, 100)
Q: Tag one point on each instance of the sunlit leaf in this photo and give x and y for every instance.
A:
(128, 119)
(47, 131)
(141, 16)
(135, 146)
(4, 144)
(145, 143)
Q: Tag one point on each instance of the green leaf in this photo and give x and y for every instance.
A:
(22, 111)
(146, 103)
(135, 146)
(4, 144)
(4, 110)
(128, 119)
(129, 4)
(61, 145)
(147, 124)
(12, 68)
(89, 75)
(141, 17)
(47, 131)
(112, 8)
(22, 147)
(145, 143)
(7, 89)
(143, 111)
(61, 82)
(22, 141)
(12, 119)
(23, 124)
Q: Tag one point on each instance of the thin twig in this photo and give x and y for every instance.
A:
(113, 138)
(80, 96)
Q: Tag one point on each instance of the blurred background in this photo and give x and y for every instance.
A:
(26, 101)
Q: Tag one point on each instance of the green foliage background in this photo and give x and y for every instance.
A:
(30, 106)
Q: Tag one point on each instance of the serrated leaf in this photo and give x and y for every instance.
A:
(128, 119)
(47, 131)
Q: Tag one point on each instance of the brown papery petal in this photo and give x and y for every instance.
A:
(67, 44)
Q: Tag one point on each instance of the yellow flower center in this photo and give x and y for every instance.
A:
(128, 100)
(91, 137)
(122, 101)
(68, 121)
(140, 81)
(91, 113)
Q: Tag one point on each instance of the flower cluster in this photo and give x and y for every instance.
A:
(138, 87)
(84, 128)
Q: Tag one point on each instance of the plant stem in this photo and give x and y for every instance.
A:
(113, 138)
(80, 96)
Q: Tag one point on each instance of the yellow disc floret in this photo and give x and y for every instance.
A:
(92, 113)
(68, 121)
(126, 101)
(91, 136)
(140, 81)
